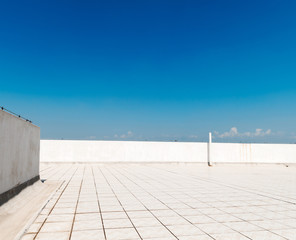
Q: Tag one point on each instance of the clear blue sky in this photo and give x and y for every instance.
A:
(151, 70)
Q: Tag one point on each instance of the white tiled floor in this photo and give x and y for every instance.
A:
(168, 201)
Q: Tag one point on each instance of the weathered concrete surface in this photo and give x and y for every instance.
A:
(21, 210)
(19, 151)
(132, 151)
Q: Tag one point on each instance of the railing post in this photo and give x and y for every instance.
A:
(209, 149)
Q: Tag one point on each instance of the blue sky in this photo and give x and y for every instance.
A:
(151, 70)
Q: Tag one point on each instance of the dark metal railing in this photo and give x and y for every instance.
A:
(17, 115)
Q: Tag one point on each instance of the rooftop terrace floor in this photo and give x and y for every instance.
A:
(167, 201)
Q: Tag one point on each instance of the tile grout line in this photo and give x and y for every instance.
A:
(146, 207)
(99, 203)
(167, 207)
(77, 204)
(242, 220)
(120, 203)
(196, 209)
(175, 193)
(229, 186)
(54, 204)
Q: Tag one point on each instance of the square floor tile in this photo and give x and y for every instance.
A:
(56, 227)
(146, 222)
(185, 230)
(117, 223)
(60, 218)
(53, 236)
(87, 217)
(29, 236)
(122, 234)
(87, 225)
(153, 232)
(263, 235)
(229, 236)
(214, 228)
(88, 235)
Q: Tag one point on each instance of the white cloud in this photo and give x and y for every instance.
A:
(125, 135)
(268, 132)
(91, 137)
(293, 136)
(233, 132)
(193, 136)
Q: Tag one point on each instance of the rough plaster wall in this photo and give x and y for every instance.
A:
(19, 151)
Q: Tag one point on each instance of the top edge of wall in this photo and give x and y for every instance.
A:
(120, 141)
(139, 141)
(253, 143)
(21, 119)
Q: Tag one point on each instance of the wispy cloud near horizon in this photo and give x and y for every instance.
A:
(233, 132)
(129, 134)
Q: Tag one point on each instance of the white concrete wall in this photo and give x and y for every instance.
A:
(121, 151)
(253, 153)
(125, 151)
(19, 151)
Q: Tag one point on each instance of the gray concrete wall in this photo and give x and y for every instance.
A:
(132, 151)
(19, 151)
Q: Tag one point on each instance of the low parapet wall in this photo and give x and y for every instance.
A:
(19, 154)
(253, 153)
(121, 151)
(133, 151)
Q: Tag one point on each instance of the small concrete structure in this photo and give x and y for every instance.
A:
(19, 155)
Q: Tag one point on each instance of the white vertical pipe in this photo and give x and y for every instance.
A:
(209, 149)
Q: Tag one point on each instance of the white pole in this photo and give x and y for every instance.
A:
(209, 149)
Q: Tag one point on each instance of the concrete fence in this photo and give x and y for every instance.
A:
(133, 151)
(19, 154)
